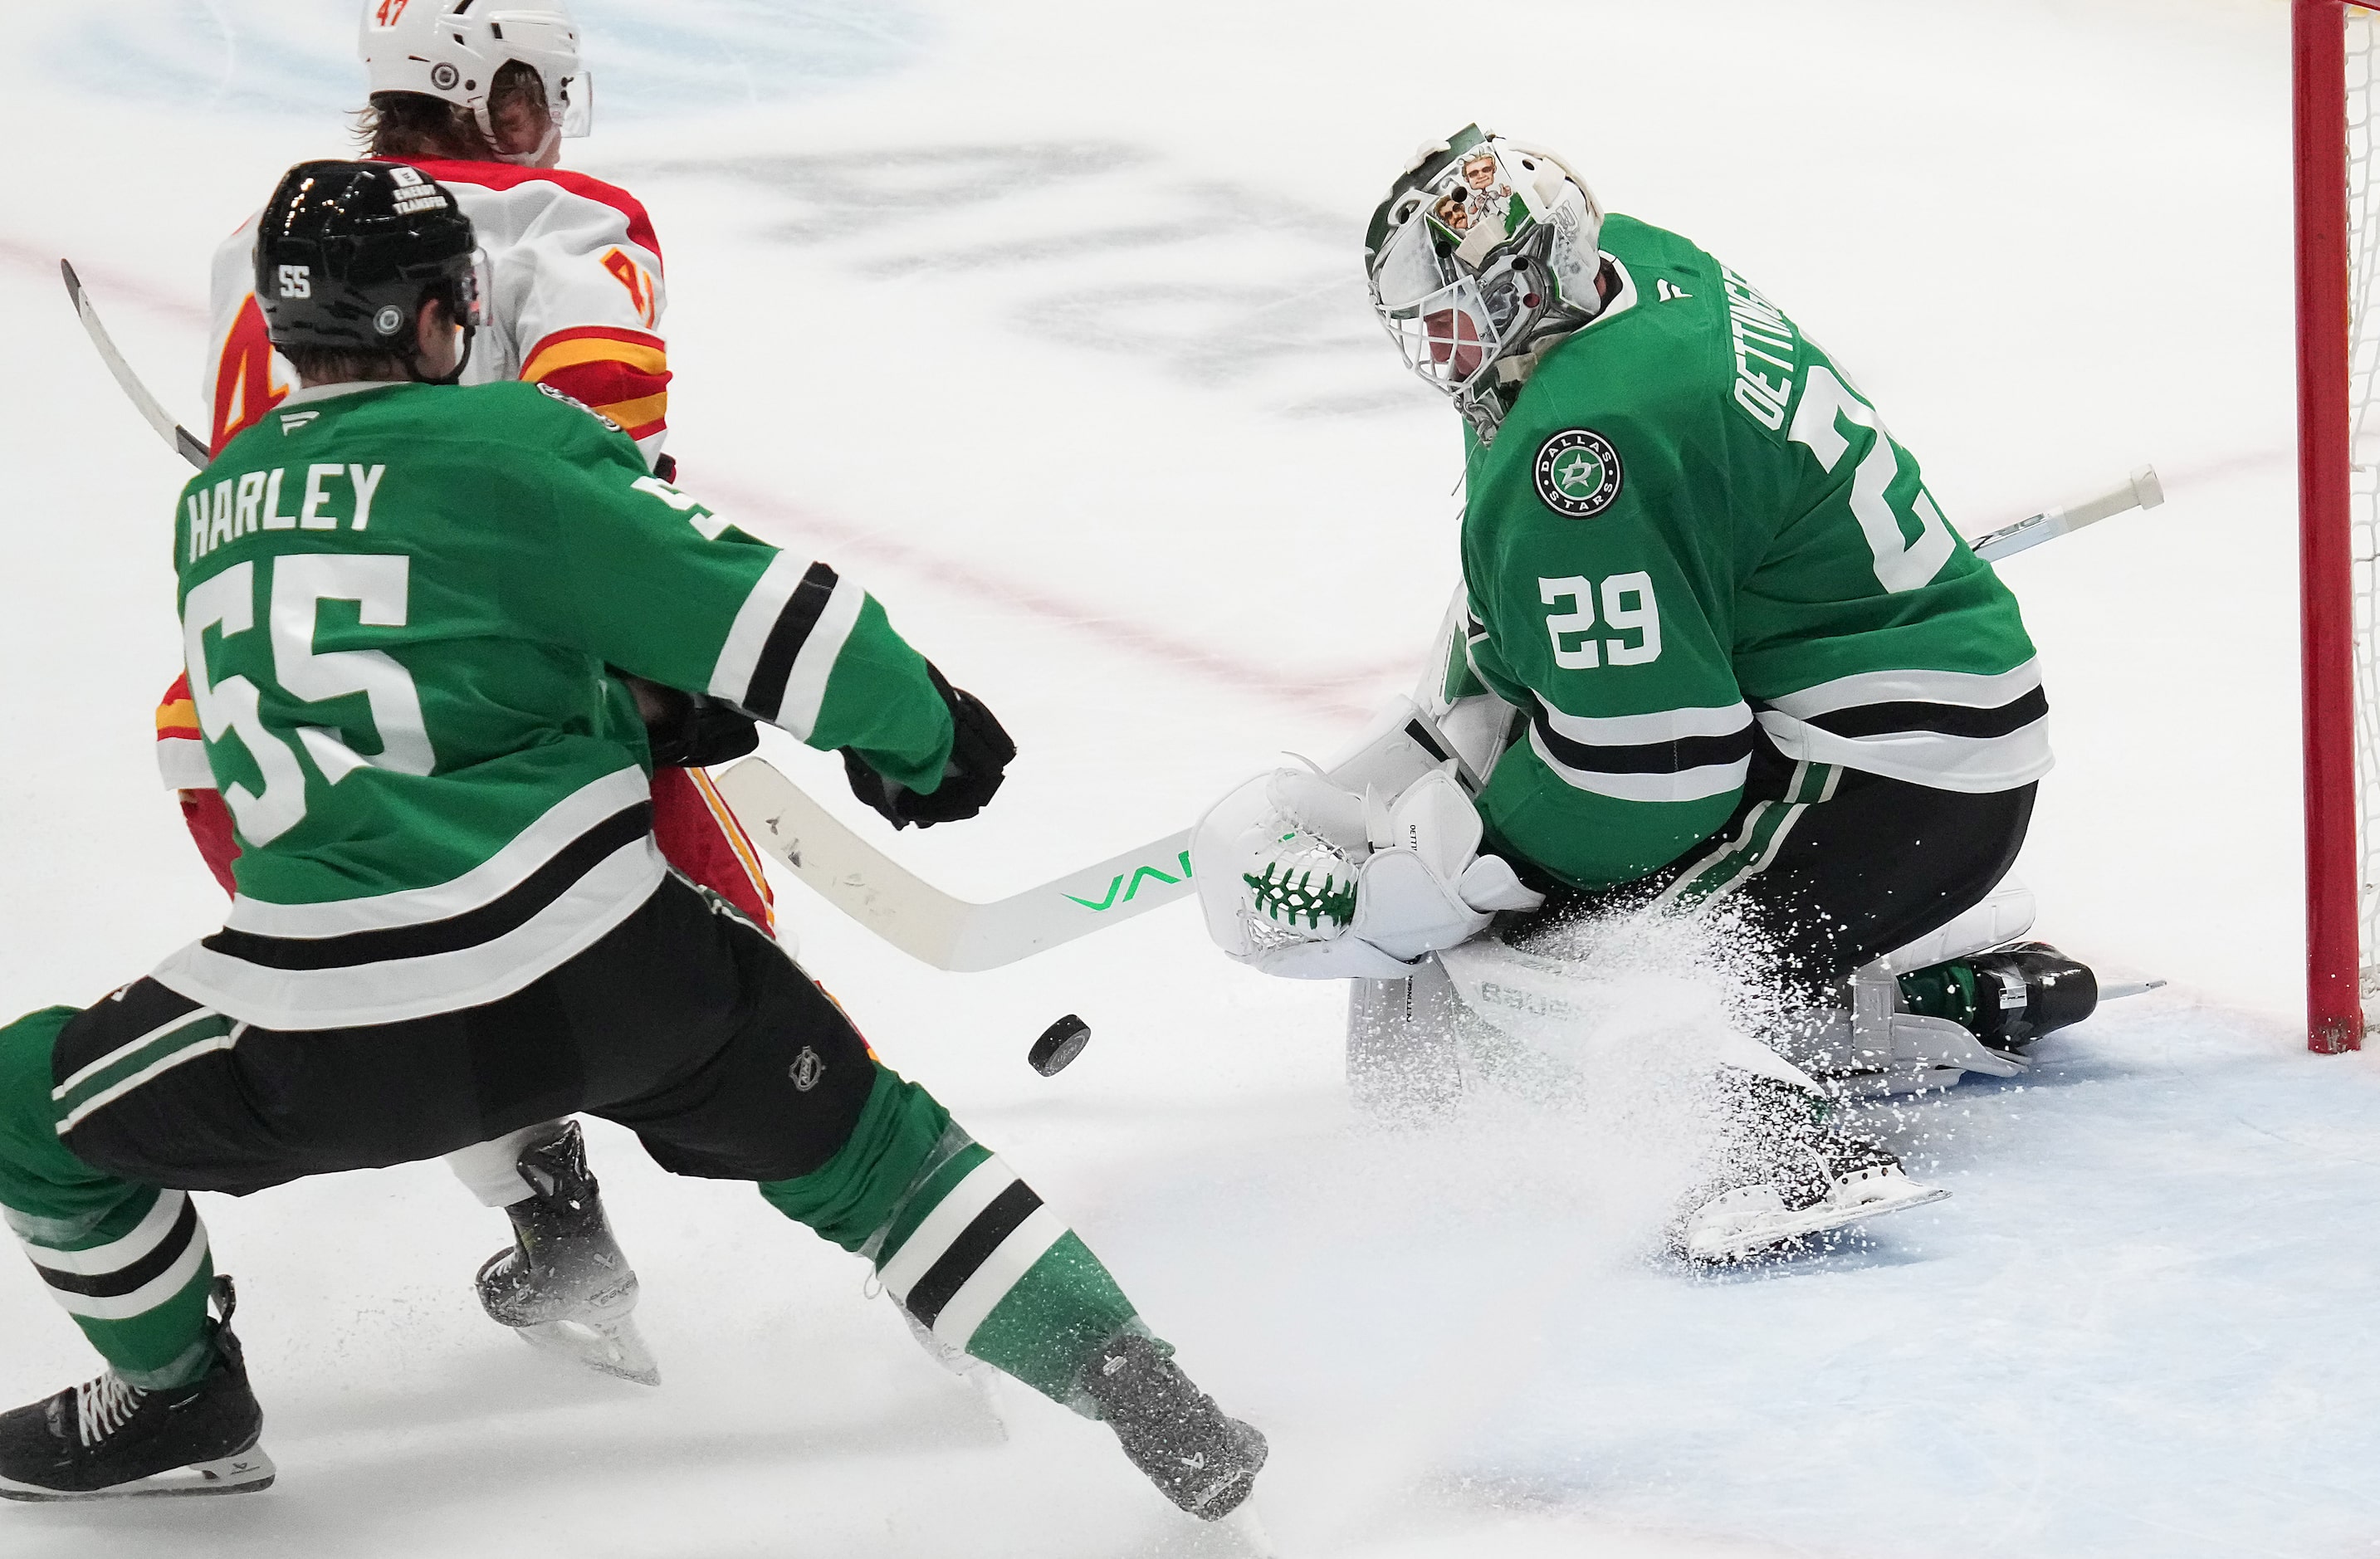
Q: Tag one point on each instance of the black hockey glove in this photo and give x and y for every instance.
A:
(981, 752)
(689, 730)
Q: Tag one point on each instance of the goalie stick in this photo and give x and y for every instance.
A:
(960, 936)
(2142, 492)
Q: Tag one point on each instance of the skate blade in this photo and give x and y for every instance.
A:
(249, 1472)
(608, 1348)
(1765, 1233)
(986, 1382)
(1245, 1525)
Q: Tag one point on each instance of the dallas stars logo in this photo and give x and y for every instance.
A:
(1578, 473)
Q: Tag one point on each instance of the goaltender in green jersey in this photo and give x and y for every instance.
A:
(1717, 645)
(407, 610)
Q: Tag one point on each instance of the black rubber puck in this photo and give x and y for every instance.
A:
(1059, 1044)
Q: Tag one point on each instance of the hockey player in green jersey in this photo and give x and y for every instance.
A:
(1717, 647)
(401, 604)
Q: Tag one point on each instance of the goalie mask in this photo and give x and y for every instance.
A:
(452, 50)
(1483, 254)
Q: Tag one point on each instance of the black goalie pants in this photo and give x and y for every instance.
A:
(1832, 867)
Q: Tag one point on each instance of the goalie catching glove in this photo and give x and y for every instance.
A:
(1302, 879)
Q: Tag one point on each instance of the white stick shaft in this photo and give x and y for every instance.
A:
(2142, 492)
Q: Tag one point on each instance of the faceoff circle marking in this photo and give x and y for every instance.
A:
(1578, 473)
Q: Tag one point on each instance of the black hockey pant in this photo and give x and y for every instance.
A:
(685, 1024)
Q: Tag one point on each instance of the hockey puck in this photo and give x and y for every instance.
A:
(1059, 1044)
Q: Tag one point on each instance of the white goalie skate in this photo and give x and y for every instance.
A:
(1752, 1219)
(1785, 1174)
(564, 1285)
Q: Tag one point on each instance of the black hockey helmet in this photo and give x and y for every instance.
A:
(347, 252)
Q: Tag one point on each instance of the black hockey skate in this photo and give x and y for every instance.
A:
(1201, 1460)
(1787, 1172)
(564, 1285)
(108, 1439)
(2008, 997)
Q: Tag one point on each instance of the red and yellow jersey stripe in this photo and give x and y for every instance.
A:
(247, 382)
(625, 374)
(181, 755)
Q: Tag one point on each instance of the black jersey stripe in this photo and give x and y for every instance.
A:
(1673, 757)
(1941, 719)
(127, 1280)
(491, 920)
(970, 1250)
(775, 666)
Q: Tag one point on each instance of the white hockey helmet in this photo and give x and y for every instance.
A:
(452, 49)
(1483, 250)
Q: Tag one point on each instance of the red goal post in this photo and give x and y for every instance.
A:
(2334, 44)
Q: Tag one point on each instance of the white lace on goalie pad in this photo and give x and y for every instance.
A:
(1300, 878)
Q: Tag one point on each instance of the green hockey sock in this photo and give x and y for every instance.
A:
(128, 1261)
(961, 1243)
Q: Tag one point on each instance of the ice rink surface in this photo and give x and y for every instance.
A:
(1045, 319)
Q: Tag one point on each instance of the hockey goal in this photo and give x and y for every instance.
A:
(2337, 49)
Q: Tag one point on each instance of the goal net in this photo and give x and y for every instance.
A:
(2336, 47)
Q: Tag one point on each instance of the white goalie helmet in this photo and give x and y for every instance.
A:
(1484, 250)
(452, 49)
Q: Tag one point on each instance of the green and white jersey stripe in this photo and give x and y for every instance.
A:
(963, 1243)
(124, 1277)
(179, 1037)
(401, 607)
(1766, 828)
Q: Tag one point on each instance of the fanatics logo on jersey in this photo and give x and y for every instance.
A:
(1578, 473)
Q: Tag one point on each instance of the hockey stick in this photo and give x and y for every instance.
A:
(180, 440)
(921, 919)
(2142, 492)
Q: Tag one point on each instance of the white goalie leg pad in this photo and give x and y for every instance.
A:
(1592, 1023)
(2006, 914)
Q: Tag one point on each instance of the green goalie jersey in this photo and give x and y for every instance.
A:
(399, 604)
(1692, 525)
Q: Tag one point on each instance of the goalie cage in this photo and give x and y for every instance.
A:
(2336, 48)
